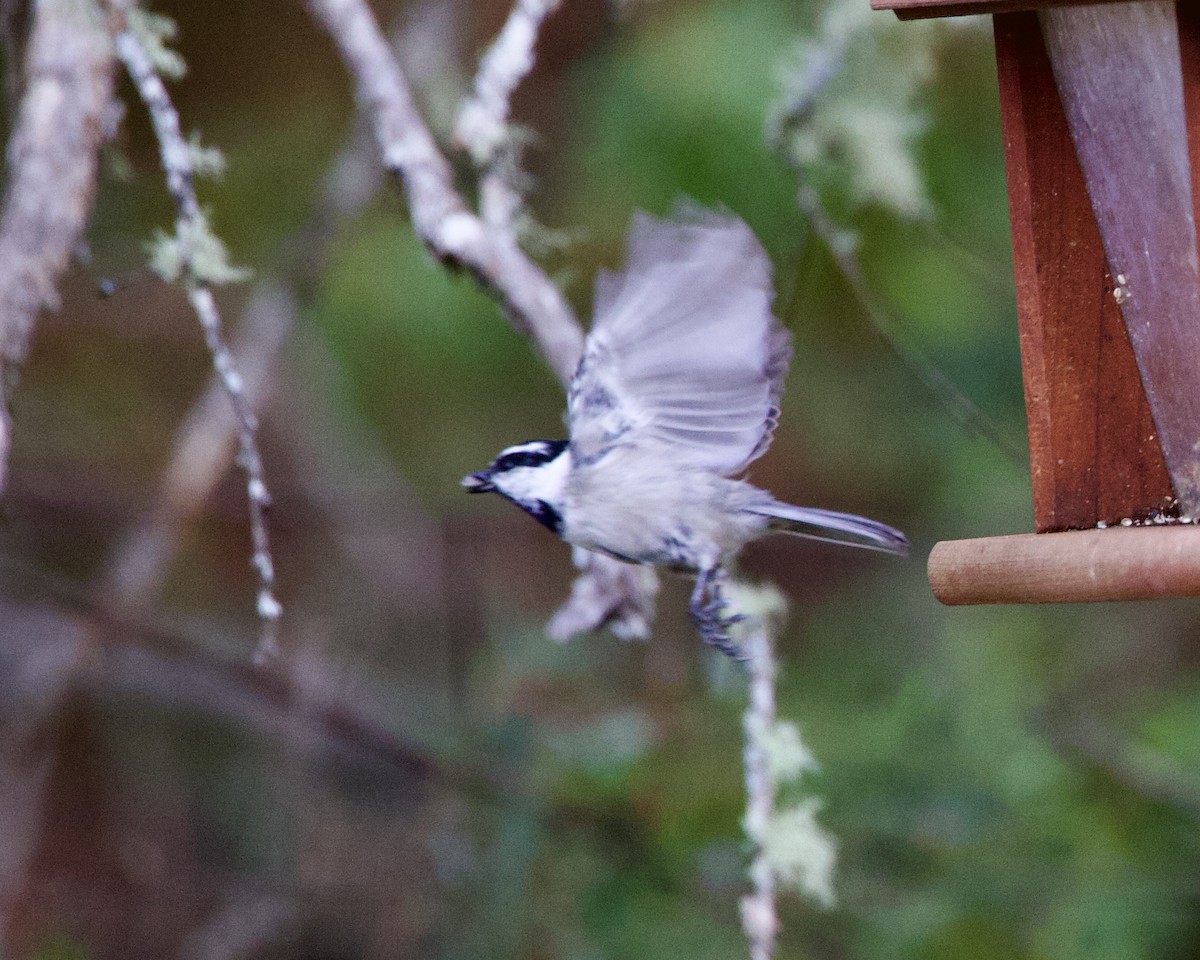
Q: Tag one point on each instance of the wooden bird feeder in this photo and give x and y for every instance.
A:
(1100, 107)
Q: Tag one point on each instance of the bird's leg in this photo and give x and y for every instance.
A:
(706, 607)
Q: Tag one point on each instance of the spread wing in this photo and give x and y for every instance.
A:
(684, 350)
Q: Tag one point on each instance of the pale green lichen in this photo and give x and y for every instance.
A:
(194, 252)
(849, 110)
(205, 161)
(541, 241)
(759, 601)
(154, 32)
(791, 845)
(800, 853)
(755, 604)
(115, 164)
(787, 754)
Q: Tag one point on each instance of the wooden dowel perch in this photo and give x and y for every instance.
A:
(1076, 566)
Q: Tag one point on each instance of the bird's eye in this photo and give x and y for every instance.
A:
(531, 455)
(510, 461)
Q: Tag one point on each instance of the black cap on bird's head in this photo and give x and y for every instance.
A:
(531, 475)
(533, 453)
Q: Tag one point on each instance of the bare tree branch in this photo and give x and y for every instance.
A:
(66, 107)
(66, 111)
(190, 226)
(36, 680)
(454, 234)
(242, 927)
(605, 593)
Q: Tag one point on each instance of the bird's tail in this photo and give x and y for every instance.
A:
(845, 529)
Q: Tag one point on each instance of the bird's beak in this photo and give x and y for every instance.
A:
(477, 482)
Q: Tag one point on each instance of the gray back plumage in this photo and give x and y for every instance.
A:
(684, 350)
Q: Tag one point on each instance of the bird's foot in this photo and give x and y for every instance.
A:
(713, 627)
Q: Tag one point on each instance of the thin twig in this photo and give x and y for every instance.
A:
(1149, 773)
(948, 393)
(206, 442)
(483, 127)
(791, 115)
(533, 304)
(802, 91)
(64, 115)
(177, 164)
(760, 919)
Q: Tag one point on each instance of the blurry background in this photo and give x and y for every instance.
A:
(440, 780)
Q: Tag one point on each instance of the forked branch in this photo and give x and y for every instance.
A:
(486, 246)
(455, 235)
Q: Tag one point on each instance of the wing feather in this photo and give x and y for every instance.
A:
(684, 349)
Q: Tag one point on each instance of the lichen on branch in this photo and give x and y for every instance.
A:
(196, 258)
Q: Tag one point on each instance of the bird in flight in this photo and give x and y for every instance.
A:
(677, 393)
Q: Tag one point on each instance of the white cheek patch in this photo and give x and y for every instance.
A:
(554, 477)
(529, 484)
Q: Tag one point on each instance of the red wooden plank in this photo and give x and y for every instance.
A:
(921, 9)
(1118, 70)
(1094, 455)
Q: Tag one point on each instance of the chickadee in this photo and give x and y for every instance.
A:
(676, 394)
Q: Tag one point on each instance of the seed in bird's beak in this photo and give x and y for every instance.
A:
(477, 483)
